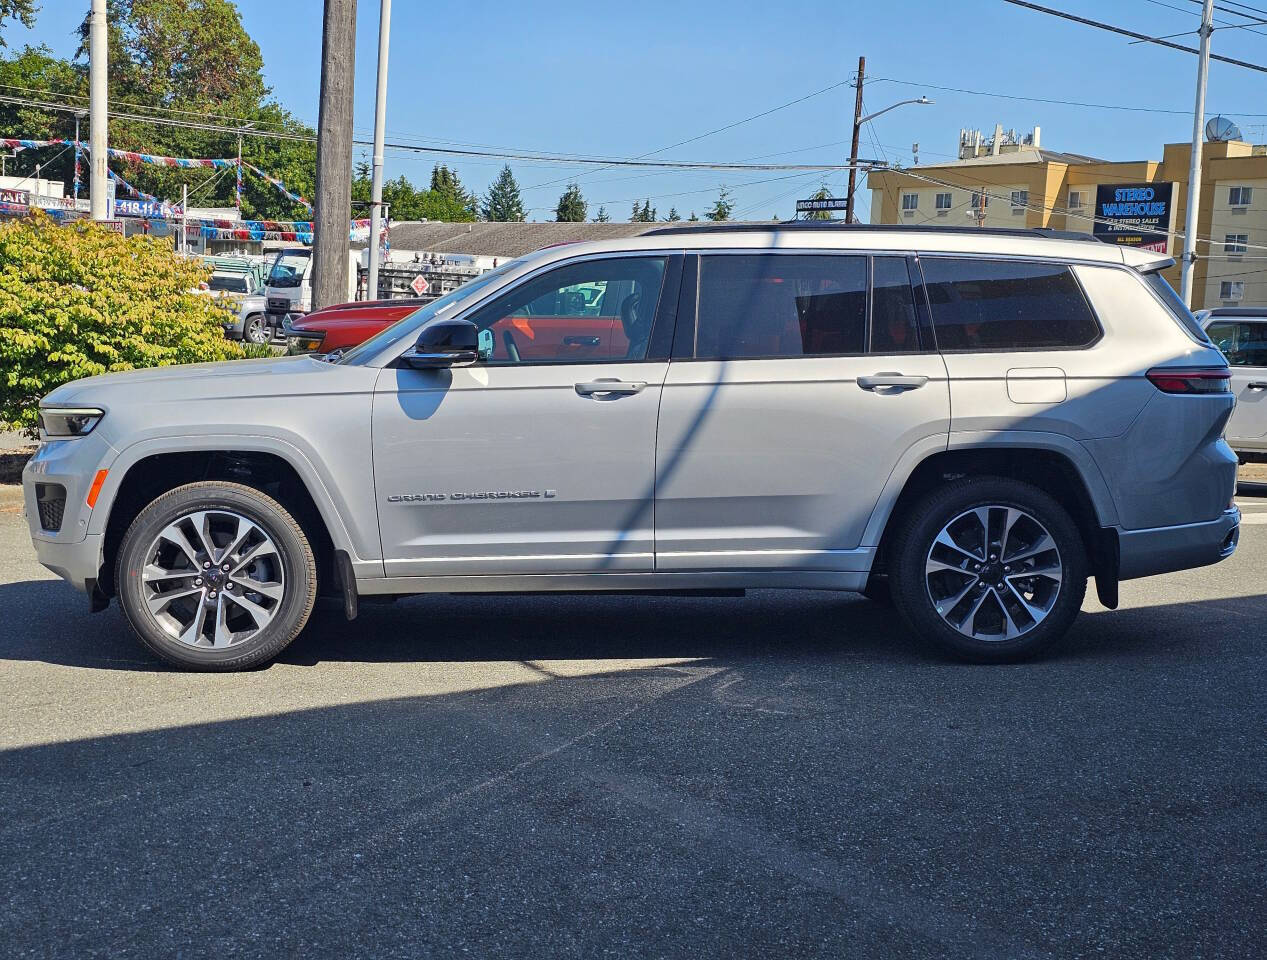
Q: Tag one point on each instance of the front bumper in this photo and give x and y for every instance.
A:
(78, 563)
(1144, 553)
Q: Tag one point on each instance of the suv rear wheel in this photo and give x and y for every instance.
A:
(216, 576)
(989, 569)
(256, 330)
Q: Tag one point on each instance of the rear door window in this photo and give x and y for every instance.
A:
(894, 328)
(987, 305)
(781, 305)
(1243, 342)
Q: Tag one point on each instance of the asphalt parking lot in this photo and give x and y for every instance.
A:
(778, 775)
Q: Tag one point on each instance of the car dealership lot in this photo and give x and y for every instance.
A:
(783, 774)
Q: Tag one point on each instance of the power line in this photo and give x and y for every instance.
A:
(1100, 25)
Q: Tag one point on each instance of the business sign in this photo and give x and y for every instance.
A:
(813, 206)
(15, 201)
(1135, 215)
(141, 208)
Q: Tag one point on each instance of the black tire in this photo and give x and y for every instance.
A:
(255, 330)
(293, 551)
(909, 583)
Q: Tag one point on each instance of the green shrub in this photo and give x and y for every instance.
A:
(79, 300)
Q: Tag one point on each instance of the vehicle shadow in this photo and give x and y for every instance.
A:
(47, 623)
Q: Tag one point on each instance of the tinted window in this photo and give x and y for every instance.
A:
(1006, 305)
(893, 325)
(771, 305)
(1244, 343)
(589, 311)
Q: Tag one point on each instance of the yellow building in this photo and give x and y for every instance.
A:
(1019, 184)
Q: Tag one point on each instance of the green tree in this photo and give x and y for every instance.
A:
(722, 208)
(21, 10)
(692, 218)
(503, 202)
(572, 207)
(673, 216)
(35, 68)
(643, 213)
(822, 193)
(71, 307)
(602, 216)
(451, 196)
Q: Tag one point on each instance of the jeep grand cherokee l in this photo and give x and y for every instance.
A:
(971, 422)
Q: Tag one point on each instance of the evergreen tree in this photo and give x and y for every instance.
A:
(449, 192)
(673, 215)
(502, 202)
(722, 208)
(572, 207)
(643, 213)
(602, 216)
(822, 193)
(692, 218)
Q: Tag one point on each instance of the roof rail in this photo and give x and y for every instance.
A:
(840, 225)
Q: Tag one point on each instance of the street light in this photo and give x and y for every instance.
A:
(858, 121)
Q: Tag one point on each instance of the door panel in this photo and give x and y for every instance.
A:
(1244, 343)
(509, 469)
(779, 463)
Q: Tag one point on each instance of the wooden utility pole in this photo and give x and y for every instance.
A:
(333, 202)
(853, 150)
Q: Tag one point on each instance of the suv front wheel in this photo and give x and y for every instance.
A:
(989, 569)
(216, 576)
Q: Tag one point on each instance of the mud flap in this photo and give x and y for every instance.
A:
(347, 582)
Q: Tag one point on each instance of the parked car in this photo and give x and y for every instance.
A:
(344, 325)
(1241, 334)
(978, 419)
(250, 322)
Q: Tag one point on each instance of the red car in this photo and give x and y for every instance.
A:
(345, 325)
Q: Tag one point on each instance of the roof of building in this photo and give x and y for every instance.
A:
(510, 239)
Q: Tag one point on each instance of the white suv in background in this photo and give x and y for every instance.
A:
(971, 421)
(1241, 334)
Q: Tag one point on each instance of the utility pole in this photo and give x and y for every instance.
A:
(97, 108)
(853, 150)
(334, 155)
(1194, 167)
(184, 214)
(380, 125)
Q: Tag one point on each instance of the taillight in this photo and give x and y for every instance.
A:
(1191, 379)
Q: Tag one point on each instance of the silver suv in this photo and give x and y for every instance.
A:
(966, 423)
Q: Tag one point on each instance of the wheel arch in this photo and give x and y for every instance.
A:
(152, 471)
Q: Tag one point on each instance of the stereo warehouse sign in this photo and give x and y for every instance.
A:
(1135, 215)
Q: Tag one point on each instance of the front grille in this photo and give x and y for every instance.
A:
(50, 498)
(278, 305)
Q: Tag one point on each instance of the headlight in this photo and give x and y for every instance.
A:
(66, 422)
(302, 343)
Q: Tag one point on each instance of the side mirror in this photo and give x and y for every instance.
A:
(444, 343)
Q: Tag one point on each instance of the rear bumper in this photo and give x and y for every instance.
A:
(1144, 553)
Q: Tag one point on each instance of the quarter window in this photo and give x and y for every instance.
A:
(943, 201)
(1240, 196)
(781, 305)
(1243, 343)
(986, 305)
(590, 311)
(910, 201)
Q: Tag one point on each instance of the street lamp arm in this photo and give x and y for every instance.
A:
(900, 103)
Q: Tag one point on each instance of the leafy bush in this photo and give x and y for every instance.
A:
(79, 300)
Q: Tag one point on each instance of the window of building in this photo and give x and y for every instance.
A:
(1235, 242)
(588, 311)
(910, 201)
(894, 328)
(980, 200)
(1006, 305)
(781, 305)
(1232, 290)
(1020, 200)
(1240, 196)
(1243, 342)
(943, 201)
(1075, 199)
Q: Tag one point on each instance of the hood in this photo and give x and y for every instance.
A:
(271, 376)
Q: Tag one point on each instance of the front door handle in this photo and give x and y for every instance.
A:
(610, 389)
(891, 382)
(582, 341)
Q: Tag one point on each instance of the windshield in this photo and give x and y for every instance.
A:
(410, 323)
(231, 284)
(288, 268)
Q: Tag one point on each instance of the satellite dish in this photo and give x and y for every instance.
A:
(1221, 130)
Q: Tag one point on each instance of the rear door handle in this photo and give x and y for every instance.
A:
(895, 382)
(582, 341)
(1258, 385)
(608, 389)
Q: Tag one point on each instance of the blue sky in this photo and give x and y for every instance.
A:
(625, 79)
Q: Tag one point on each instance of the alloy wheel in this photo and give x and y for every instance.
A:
(993, 573)
(213, 578)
